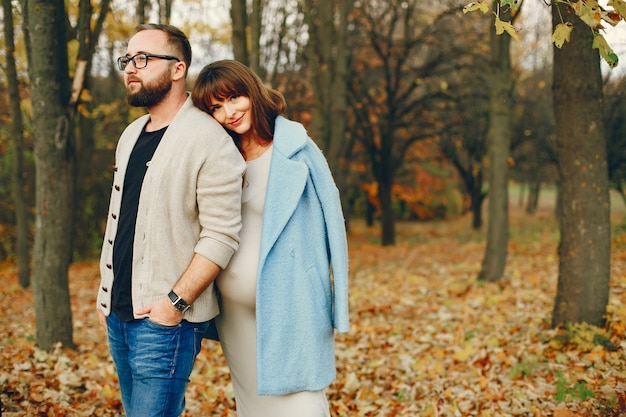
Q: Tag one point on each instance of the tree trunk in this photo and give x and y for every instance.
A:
(142, 10)
(584, 214)
(533, 196)
(476, 204)
(17, 135)
(54, 162)
(254, 48)
(165, 11)
(328, 73)
(339, 148)
(383, 174)
(499, 137)
(388, 233)
(239, 19)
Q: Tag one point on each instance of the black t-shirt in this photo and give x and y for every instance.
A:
(142, 153)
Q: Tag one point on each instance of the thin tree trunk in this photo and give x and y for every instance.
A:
(54, 161)
(476, 203)
(17, 128)
(499, 138)
(142, 10)
(239, 19)
(388, 233)
(340, 146)
(533, 197)
(584, 211)
(383, 174)
(254, 48)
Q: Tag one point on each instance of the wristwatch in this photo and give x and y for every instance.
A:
(180, 304)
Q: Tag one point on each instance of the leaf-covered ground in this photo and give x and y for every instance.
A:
(426, 338)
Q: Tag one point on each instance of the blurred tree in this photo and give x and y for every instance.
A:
(17, 136)
(533, 142)
(246, 32)
(464, 144)
(143, 11)
(87, 33)
(584, 249)
(463, 139)
(615, 122)
(395, 87)
(499, 140)
(45, 22)
(54, 99)
(327, 64)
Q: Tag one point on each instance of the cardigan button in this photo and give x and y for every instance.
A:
(117, 188)
(105, 289)
(114, 216)
(109, 266)
(103, 305)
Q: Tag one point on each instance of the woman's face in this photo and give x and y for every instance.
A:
(234, 113)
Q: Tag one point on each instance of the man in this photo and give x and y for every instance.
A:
(173, 224)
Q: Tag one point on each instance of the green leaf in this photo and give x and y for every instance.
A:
(513, 4)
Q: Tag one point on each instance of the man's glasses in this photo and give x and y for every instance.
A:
(141, 60)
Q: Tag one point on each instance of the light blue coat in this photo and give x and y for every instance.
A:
(298, 305)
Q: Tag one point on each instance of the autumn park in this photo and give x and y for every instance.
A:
(479, 149)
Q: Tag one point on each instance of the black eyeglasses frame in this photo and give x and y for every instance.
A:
(123, 61)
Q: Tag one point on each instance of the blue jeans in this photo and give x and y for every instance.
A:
(153, 364)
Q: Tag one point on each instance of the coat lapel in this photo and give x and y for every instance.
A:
(287, 181)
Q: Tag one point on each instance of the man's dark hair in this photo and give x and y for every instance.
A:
(176, 38)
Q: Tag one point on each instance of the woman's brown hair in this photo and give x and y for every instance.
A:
(229, 78)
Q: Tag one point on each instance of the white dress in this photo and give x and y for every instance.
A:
(236, 322)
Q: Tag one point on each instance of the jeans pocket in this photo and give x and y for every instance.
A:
(156, 325)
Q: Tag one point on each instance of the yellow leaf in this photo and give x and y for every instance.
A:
(464, 354)
(606, 52)
(588, 13)
(562, 34)
(109, 393)
(502, 27)
(476, 5)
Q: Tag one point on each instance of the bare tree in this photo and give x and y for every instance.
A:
(395, 87)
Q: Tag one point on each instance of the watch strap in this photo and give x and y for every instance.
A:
(177, 301)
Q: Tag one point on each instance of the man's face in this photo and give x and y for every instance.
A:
(148, 86)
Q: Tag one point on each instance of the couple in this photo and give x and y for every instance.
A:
(187, 210)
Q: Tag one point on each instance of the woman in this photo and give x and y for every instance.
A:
(279, 305)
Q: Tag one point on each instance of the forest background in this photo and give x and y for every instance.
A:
(401, 96)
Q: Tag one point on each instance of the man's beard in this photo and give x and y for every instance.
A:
(150, 94)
